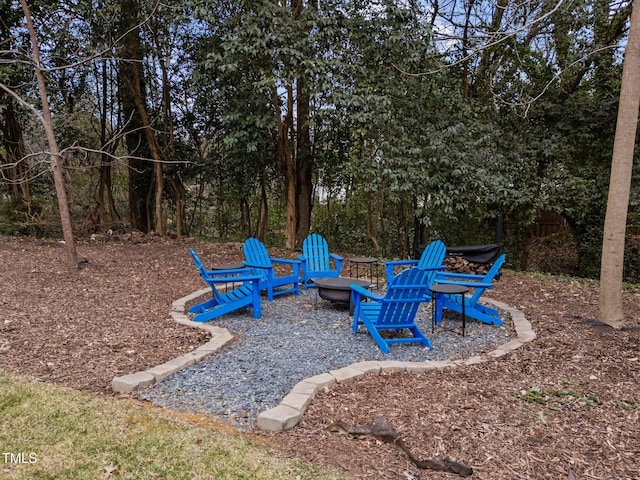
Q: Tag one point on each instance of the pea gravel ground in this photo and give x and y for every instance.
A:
(296, 338)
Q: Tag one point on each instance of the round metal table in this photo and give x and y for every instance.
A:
(440, 289)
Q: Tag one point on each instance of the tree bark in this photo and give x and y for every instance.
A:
(245, 217)
(152, 143)
(20, 188)
(304, 167)
(54, 152)
(129, 68)
(304, 160)
(489, 59)
(285, 165)
(107, 212)
(262, 222)
(612, 267)
(374, 209)
(181, 196)
(465, 43)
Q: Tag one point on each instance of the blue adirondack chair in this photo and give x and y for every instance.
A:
(317, 261)
(395, 311)
(479, 284)
(247, 294)
(257, 258)
(430, 260)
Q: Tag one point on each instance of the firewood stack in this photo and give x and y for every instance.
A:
(461, 265)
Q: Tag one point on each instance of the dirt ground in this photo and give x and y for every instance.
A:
(565, 406)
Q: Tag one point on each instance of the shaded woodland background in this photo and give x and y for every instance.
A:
(381, 125)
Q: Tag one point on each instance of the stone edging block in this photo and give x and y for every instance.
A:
(219, 337)
(284, 416)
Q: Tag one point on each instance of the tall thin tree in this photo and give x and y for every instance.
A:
(611, 272)
(54, 152)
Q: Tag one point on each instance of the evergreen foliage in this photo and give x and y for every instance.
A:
(426, 120)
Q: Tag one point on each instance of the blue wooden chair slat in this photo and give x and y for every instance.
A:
(257, 258)
(430, 260)
(317, 261)
(395, 311)
(247, 294)
(479, 284)
(318, 257)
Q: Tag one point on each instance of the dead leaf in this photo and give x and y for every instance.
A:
(111, 470)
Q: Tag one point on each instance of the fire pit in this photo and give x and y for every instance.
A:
(338, 289)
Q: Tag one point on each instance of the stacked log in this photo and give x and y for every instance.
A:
(461, 265)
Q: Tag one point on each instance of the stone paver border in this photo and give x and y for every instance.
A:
(219, 336)
(290, 410)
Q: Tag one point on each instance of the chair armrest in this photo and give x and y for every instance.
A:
(237, 279)
(338, 260)
(390, 265)
(461, 276)
(253, 265)
(295, 264)
(285, 260)
(303, 264)
(463, 283)
(361, 291)
(235, 271)
(438, 267)
(396, 263)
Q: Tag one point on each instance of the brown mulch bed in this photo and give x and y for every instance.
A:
(565, 406)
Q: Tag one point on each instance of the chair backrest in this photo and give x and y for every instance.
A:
(495, 268)
(433, 254)
(203, 273)
(316, 251)
(196, 260)
(405, 293)
(488, 277)
(256, 253)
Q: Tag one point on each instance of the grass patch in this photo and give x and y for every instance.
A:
(49, 432)
(555, 399)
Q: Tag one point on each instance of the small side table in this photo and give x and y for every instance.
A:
(371, 261)
(440, 289)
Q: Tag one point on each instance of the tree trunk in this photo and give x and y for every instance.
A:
(245, 217)
(14, 147)
(158, 200)
(304, 168)
(374, 210)
(285, 165)
(130, 68)
(54, 152)
(525, 253)
(489, 58)
(611, 272)
(107, 212)
(167, 138)
(465, 44)
(152, 143)
(304, 160)
(262, 223)
(181, 195)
